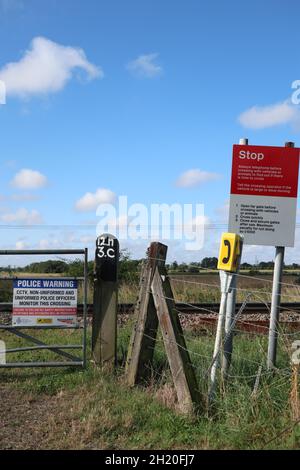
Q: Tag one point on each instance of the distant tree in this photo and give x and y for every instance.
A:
(193, 269)
(183, 268)
(246, 266)
(295, 266)
(266, 265)
(174, 266)
(210, 263)
(129, 269)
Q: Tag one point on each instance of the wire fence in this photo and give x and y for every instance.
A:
(248, 379)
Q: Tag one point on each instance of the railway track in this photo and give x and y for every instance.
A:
(254, 318)
(203, 308)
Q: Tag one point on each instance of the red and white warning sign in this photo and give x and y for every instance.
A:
(263, 199)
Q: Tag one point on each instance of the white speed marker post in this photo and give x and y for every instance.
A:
(229, 256)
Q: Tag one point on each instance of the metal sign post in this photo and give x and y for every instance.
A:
(226, 285)
(276, 298)
(229, 318)
(229, 256)
(230, 309)
(263, 206)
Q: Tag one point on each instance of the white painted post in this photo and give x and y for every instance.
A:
(230, 312)
(276, 297)
(229, 318)
(226, 279)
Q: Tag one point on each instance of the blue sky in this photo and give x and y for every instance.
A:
(148, 91)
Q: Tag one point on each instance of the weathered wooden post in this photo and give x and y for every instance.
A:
(156, 307)
(104, 328)
(294, 395)
(142, 343)
(182, 370)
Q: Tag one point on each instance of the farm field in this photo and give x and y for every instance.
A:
(190, 288)
(206, 288)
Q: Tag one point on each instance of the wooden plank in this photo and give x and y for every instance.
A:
(142, 342)
(183, 373)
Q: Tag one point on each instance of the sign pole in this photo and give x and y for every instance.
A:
(276, 297)
(230, 314)
(225, 282)
(228, 262)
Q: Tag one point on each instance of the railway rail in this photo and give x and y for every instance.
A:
(254, 318)
(203, 308)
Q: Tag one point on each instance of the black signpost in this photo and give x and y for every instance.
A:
(104, 334)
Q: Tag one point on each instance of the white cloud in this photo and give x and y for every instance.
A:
(29, 179)
(46, 67)
(260, 117)
(23, 216)
(145, 66)
(90, 201)
(87, 239)
(223, 211)
(44, 244)
(195, 177)
(21, 245)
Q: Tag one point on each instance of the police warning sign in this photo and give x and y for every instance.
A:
(44, 302)
(263, 200)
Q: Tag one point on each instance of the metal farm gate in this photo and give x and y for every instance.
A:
(59, 349)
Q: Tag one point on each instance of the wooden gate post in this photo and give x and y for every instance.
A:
(104, 327)
(142, 343)
(182, 370)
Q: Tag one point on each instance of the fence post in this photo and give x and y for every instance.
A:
(276, 298)
(142, 343)
(104, 327)
(294, 395)
(182, 370)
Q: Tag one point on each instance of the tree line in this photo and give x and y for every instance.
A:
(129, 268)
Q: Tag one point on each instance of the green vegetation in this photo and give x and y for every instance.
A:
(91, 409)
(97, 410)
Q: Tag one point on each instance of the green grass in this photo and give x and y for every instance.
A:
(99, 411)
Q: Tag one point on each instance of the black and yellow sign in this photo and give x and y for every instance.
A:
(229, 252)
(44, 321)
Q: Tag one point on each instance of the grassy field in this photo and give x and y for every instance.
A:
(206, 288)
(72, 409)
(193, 288)
(76, 409)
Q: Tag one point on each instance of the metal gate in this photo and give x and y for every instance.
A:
(59, 349)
